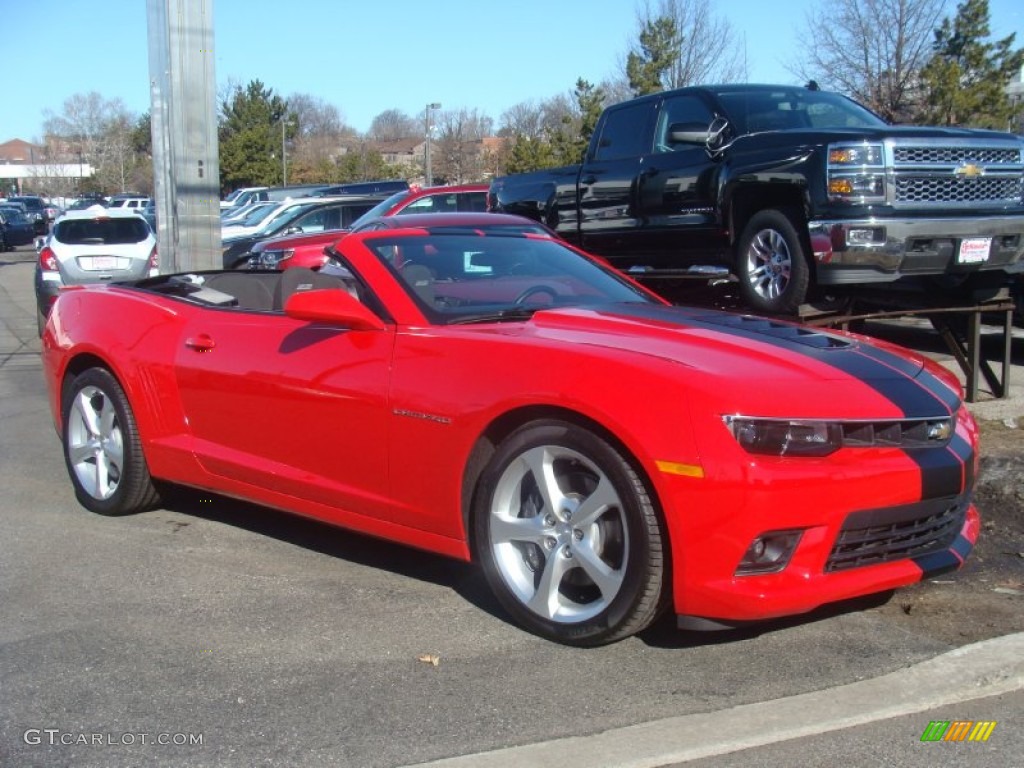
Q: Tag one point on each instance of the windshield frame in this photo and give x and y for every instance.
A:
(738, 104)
(483, 276)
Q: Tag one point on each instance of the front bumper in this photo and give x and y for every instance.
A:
(869, 520)
(880, 250)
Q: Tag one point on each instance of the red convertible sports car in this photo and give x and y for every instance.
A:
(504, 398)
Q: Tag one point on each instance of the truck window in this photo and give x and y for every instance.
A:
(625, 133)
(679, 109)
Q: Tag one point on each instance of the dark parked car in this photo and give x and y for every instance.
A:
(15, 228)
(36, 211)
(316, 215)
(365, 188)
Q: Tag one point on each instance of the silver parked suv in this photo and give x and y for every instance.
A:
(93, 246)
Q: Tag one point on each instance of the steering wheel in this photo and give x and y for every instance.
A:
(535, 290)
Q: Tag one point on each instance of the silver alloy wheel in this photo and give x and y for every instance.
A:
(769, 264)
(558, 534)
(95, 445)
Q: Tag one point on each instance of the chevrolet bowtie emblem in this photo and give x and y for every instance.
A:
(970, 170)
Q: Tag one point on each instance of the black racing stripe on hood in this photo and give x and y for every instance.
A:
(925, 378)
(917, 393)
(885, 372)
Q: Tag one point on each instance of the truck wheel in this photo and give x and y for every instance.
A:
(771, 264)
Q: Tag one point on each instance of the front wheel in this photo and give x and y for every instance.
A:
(568, 536)
(772, 264)
(102, 448)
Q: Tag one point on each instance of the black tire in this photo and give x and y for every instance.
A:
(40, 321)
(102, 448)
(772, 263)
(526, 544)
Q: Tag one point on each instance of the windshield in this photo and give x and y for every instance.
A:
(284, 217)
(258, 215)
(760, 109)
(30, 203)
(12, 214)
(231, 198)
(381, 208)
(476, 277)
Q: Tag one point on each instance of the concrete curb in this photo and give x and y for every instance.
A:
(974, 671)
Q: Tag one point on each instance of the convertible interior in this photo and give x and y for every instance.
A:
(254, 291)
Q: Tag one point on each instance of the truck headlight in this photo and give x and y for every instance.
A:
(856, 172)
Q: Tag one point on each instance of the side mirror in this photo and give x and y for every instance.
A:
(332, 305)
(688, 133)
(293, 230)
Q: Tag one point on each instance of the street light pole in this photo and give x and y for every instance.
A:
(426, 149)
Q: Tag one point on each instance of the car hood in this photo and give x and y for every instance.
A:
(752, 360)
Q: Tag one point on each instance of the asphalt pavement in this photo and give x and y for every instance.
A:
(241, 636)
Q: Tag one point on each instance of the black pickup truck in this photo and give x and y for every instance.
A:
(792, 189)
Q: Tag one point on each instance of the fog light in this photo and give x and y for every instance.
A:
(769, 553)
(865, 236)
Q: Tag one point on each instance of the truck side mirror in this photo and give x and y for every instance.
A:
(688, 133)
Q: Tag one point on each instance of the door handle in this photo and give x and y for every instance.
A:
(200, 343)
(589, 179)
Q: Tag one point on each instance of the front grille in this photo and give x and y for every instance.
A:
(877, 536)
(906, 434)
(956, 155)
(955, 189)
(972, 173)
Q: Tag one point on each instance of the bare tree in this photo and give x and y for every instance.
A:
(320, 133)
(523, 119)
(871, 50)
(708, 51)
(459, 152)
(394, 125)
(316, 117)
(99, 131)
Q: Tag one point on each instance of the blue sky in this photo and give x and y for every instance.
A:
(366, 57)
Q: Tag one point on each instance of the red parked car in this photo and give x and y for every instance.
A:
(308, 250)
(503, 398)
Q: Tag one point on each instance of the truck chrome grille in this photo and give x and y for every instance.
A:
(954, 189)
(932, 174)
(956, 155)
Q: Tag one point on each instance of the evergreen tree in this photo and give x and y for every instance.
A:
(660, 44)
(250, 137)
(528, 154)
(965, 81)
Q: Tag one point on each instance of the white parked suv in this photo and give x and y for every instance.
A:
(126, 201)
(97, 245)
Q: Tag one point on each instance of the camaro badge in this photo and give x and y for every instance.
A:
(970, 170)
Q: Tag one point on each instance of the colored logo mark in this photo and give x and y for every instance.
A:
(958, 730)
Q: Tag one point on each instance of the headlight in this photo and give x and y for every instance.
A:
(273, 259)
(809, 437)
(856, 154)
(771, 437)
(856, 172)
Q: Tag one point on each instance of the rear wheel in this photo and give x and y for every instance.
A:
(772, 264)
(568, 536)
(102, 448)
